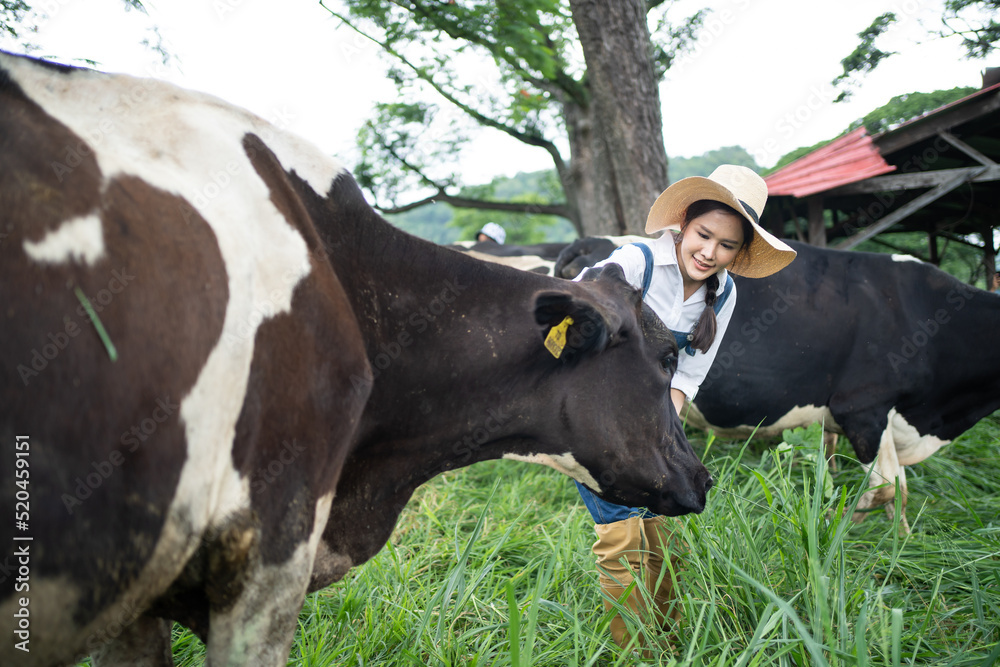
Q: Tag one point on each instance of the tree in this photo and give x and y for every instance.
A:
(12, 15)
(548, 74)
(973, 21)
(890, 115)
(908, 106)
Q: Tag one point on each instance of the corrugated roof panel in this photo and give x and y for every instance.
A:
(851, 158)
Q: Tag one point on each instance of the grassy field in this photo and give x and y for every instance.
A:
(491, 565)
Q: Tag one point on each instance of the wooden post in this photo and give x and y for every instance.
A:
(989, 255)
(817, 227)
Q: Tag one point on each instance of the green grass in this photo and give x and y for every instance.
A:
(491, 565)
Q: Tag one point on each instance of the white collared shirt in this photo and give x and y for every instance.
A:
(666, 298)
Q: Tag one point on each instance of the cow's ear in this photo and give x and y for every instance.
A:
(569, 327)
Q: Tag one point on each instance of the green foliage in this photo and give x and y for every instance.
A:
(902, 108)
(793, 155)
(975, 22)
(893, 113)
(398, 134)
(705, 164)
(444, 224)
(529, 68)
(673, 41)
(527, 54)
(866, 56)
(522, 228)
(960, 260)
(12, 13)
(428, 222)
(491, 565)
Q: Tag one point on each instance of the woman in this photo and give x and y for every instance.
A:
(714, 230)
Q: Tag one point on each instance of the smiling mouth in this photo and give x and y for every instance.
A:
(701, 265)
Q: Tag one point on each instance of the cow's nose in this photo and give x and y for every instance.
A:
(709, 483)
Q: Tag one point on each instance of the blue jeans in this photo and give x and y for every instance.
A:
(608, 512)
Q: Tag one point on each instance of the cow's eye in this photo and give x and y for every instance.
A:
(668, 363)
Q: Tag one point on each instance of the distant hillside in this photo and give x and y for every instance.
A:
(703, 165)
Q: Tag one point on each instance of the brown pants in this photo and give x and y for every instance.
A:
(643, 543)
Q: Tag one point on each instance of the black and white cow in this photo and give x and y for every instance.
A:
(224, 374)
(896, 354)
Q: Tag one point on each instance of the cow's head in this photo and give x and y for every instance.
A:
(616, 415)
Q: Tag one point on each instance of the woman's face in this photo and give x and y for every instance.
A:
(709, 243)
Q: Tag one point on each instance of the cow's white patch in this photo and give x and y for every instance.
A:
(564, 463)
(911, 447)
(885, 471)
(906, 258)
(798, 416)
(530, 263)
(901, 445)
(190, 144)
(80, 239)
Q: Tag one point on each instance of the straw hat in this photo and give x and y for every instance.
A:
(741, 189)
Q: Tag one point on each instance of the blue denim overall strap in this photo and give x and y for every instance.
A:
(647, 275)
(684, 338)
(603, 511)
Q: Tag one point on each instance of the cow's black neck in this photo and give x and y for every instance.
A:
(433, 326)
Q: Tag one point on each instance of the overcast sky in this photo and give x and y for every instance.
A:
(759, 76)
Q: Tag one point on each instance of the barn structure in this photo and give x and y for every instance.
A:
(937, 174)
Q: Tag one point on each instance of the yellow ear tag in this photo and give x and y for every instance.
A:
(556, 340)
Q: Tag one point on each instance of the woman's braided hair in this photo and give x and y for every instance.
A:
(704, 331)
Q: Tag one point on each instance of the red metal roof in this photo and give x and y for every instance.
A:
(848, 159)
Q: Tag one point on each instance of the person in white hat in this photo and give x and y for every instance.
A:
(491, 231)
(713, 229)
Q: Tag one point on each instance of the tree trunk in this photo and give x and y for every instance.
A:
(587, 182)
(618, 165)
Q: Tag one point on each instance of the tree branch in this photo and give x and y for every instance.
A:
(465, 202)
(530, 139)
(561, 80)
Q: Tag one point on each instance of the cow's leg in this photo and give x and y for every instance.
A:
(259, 626)
(145, 642)
(885, 469)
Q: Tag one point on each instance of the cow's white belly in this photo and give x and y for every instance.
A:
(797, 416)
